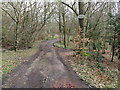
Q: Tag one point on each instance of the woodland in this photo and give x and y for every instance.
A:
(90, 29)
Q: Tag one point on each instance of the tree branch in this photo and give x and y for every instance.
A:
(9, 15)
(71, 8)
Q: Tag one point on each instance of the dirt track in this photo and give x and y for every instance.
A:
(46, 69)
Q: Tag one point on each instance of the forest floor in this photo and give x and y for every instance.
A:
(101, 74)
(47, 68)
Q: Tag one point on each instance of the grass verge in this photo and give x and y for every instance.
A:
(11, 59)
(69, 46)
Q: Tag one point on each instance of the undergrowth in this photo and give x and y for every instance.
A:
(97, 74)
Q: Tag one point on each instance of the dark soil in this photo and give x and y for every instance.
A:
(46, 69)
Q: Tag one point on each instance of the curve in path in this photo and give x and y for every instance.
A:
(46, 69)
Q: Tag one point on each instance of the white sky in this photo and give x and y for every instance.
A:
(63, 0)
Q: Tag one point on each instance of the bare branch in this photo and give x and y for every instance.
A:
(99, 18)
(73, 4)
(71, 8)
(9, 14)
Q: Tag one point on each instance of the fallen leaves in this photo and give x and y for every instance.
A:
(101, 77)
(64, 84)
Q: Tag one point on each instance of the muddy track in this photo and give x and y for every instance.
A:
(45, 69)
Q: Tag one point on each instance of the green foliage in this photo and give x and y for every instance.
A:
(114, 26)
(71, 37)
(58, 44)
(110, 14)
(56, 36)
(114, 21)
(87, 54)
(96, 56)
(100, 66)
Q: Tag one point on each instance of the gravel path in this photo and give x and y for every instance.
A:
(46, 69)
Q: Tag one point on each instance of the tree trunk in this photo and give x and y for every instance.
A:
(81, 28)
(118, 45)
(16, 36)
(64, 27)
(113, 48)
(80, 6)
(45, 11)
(60, 30)
(119, 32)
